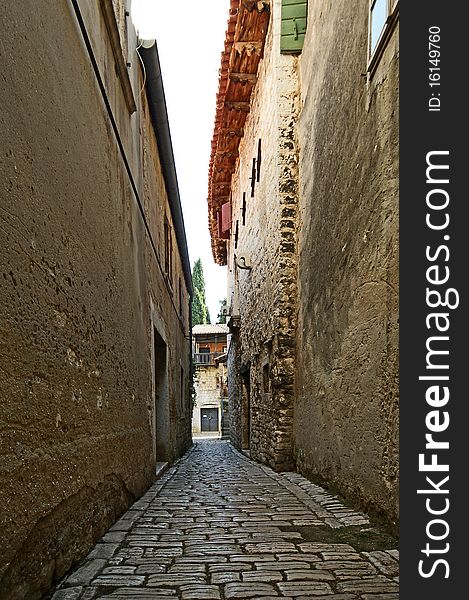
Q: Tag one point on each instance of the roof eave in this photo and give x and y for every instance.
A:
(244, 47)
(159, 115)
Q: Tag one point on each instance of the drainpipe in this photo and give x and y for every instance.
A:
(159, 116)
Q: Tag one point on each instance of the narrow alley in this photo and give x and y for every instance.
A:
(219, 526)
(199, 237)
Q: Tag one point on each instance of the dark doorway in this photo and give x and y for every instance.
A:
(161, 408)
(209, 419)
(246, 409)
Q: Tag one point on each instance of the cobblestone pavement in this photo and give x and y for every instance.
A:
(218, 526)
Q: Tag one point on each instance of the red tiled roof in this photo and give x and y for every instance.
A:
(218, 328)
(244, 46)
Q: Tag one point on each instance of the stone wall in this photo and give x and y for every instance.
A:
(235, 390)
(313, 359)
(208, 386)
(82, 293)
(346, 412)
(265, 296)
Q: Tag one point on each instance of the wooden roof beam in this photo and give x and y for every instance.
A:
(225, 169)
(243, 78)
(218, 200)
(259, 5)
(249, 47)
(238, 106)
(227, 153)
(232, 131)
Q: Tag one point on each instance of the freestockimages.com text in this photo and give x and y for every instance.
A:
(440, 299)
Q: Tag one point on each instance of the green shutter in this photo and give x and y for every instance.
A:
(294, 17)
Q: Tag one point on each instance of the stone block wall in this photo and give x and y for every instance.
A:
(233, 364)
(346, 411)
(316, 351)
(265, 296)
(81, 292)
(208, 387)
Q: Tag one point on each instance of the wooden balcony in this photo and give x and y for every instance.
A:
(205, 358)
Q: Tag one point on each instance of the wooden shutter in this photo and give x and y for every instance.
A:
(294, 17)
(226, 217)
(222, 235)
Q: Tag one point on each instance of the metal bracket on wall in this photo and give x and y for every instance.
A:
(243, 261)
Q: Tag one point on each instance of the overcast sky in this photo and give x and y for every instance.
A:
(190, 37)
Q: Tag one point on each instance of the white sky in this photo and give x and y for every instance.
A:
(190, 36)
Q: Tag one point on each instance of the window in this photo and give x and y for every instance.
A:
(379, 14)
(253, 177)
(180, 297)
(236, 236)
(266, 378)
(294, 21)
(383, 16)
(168, 252)
(259, 160)
(226, 218)
(121, 17)
(182, 390)
(115, 18)
(243, 209)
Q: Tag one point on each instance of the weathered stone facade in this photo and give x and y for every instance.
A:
(208, 395)
(346, 411)
(89, 309)
(210, 383)
(314, 352)
(265, 296)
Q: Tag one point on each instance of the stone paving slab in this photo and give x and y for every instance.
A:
(218, 526)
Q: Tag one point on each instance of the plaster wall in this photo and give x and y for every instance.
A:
(346, 412)
(208, 387)
(82, 290)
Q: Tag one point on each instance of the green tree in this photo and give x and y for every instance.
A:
(200, 313)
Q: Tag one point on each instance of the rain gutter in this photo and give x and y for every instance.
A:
(159, 116)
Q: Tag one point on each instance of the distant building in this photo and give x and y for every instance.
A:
(303, 210)
(210, 412)
(95, 284)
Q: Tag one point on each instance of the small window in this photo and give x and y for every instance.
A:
(243, 209)
(236, 235)
(182, 389)
(253, 177)
(168, 251)
(266, 378)
(259, 160)
(383, 16)
(121, 18)
(378, 17)
(226, 217)
(180, 297)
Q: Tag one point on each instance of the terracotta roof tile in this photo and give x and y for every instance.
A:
(244, 45)
(208, 329)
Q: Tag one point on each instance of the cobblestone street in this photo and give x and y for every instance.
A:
(218, 526)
